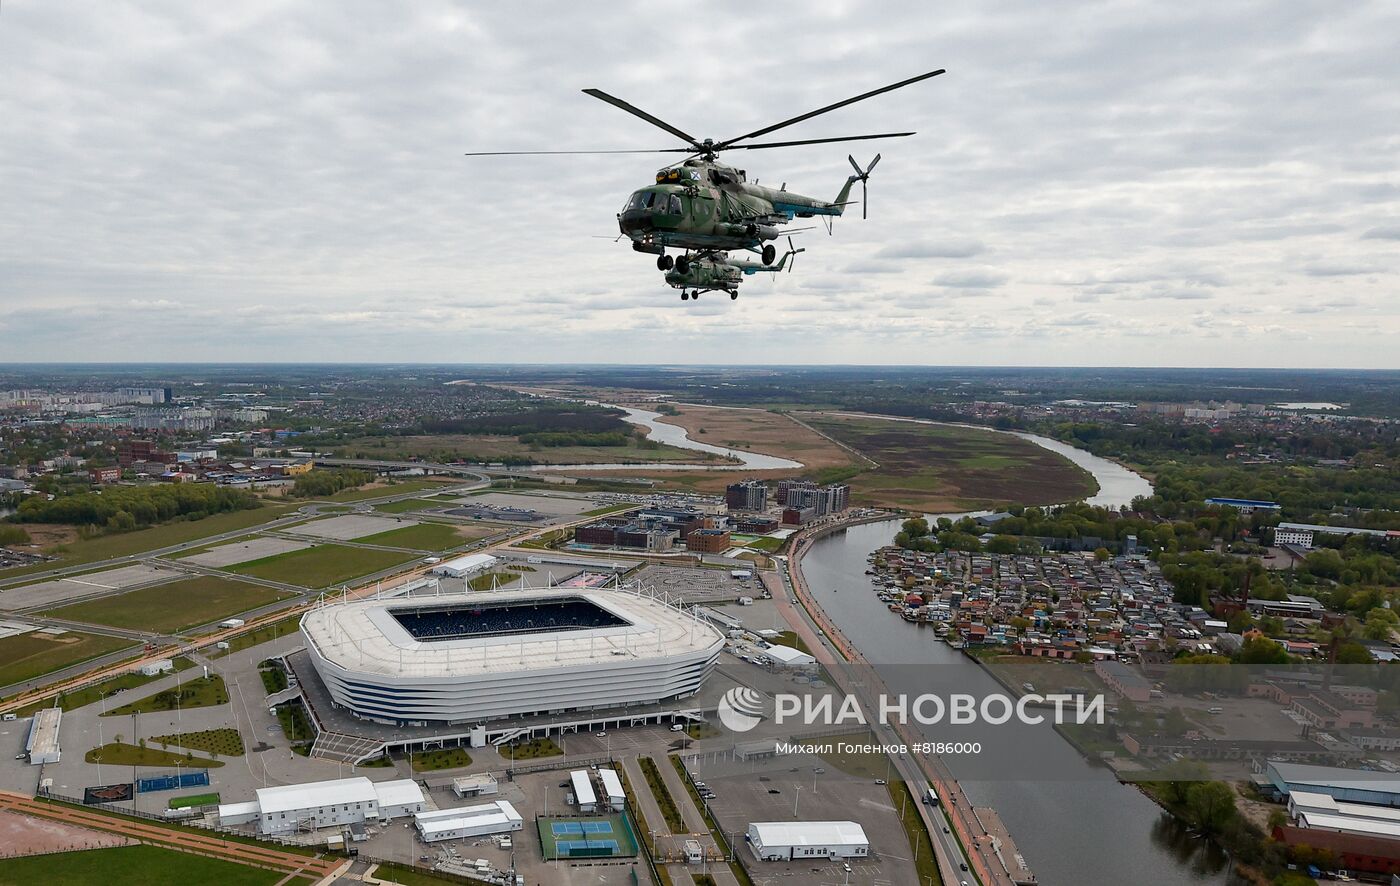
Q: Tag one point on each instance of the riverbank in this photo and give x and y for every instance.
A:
(994, 857)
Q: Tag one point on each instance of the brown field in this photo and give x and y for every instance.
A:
(46, 534)
(491, 447)
(27, 835)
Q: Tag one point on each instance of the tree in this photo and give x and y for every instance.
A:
(1353, 653)
(1379, 623)
(1210, 805)
(1102, 555)
(1260, 650)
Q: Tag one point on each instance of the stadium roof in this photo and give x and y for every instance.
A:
(362, 636)
(809, 833)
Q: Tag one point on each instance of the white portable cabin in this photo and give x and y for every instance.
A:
(801, 840)
(612, 788)
(583, 791)
(469, 821)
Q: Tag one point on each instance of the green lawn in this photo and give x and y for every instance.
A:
(488, 580)
(766, 544)
(530, 749)
(609, 509)
(407, 876)
(225, 742)
(119, 753)
(790, 638)
(193, 800)
(295, 724)
(279, 628)
(104, 547)
(131, 866)
(320, 566)
(408, 504)
(69, 701)
(174, 606)
(915, 832)
(422, 537)
(664, 800)
(25, 656)
(274, 679)
(200, 692)
(446, 758)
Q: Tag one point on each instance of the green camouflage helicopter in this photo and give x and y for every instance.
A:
(719, 272)
(708, 208)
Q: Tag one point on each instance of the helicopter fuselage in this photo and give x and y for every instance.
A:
(701, 204)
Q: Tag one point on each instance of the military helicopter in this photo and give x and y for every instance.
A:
(703, 205)
(718, 272)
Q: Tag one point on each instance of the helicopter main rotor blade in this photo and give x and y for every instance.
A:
(819, 141)
(638, 112)
(841, 104)
(533, 153)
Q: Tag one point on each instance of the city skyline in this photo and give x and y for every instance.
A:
(1147, 187)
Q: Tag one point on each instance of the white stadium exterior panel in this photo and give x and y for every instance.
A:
(473, 657)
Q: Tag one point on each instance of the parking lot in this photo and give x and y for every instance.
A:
(64, 590)
(349, 526)
(695, 585)
(244, 551)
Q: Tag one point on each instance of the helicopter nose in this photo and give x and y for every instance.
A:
(635, 220)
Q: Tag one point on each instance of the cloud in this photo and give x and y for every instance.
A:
(1339, 269)
(932, 249)
(1385, 232)
(976, 278)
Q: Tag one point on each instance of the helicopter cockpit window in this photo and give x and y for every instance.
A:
(642, 200)
(673, 206)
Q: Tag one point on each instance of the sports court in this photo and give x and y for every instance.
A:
(350, 526)
(604, 836)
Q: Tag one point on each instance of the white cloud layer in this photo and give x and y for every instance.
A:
(1109, 183)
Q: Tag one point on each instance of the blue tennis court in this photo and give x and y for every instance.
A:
(560, 828)
(601, 837)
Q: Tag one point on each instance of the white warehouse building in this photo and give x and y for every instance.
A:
(800, 840)
(473, 657)
(465, 566)
(468, 821)
(321, 804)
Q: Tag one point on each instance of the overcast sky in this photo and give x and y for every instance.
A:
(1125, 183)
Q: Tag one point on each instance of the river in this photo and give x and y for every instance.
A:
(675, 435)
(1075, 824)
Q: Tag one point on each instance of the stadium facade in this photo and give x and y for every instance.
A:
(476, 657)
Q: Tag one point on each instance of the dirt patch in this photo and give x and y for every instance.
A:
(23, 835)
(758, 430)
(47, 534)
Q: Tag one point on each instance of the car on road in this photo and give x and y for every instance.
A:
(879, 781)
(770, 790)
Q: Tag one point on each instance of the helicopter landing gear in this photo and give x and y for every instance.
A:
(682, 264)
(665, 263)
(695, 295)
(685, 296)
(769, 253)
(733, 296)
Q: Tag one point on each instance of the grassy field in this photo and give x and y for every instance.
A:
(446, 758)
(175, 606)
(937, 467)
(279, 628)
(200, 692)
(493, 448)
(408, 504)
(69, 701)
(193, 800)
(664, 800)
(224, 742)
(294, 722)
(766, 544)
(132, 866)
(422, 537)
(609, 509)
(488, 580)
(918, 836)
(119, 753)
(25, 656)
(790, 638)
(408, 876)
(320, 566)
(122, 544)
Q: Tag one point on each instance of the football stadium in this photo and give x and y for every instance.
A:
(474, 657)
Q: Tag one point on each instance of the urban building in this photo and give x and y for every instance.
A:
(104, 475)
(708, 541)
(465, 566)
(1343, 785)
(1245, 505)
(1303, 534)
(748, 495)
(42, 744)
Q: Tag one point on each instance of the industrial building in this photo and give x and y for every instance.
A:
(475, 785)
(708, 541)
(42, 743)
(802, 840)
(469, 821)
(1302, 534)
(788, 657)
(289, 808)
(465, 566)
(1310, 810)
(1342, 785)
(467, 658)
(1245, 505)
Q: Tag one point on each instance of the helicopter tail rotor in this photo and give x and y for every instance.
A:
(792, 255)
(863, 175)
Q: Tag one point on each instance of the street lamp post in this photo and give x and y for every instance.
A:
(797, 796)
